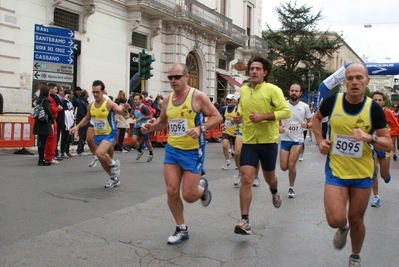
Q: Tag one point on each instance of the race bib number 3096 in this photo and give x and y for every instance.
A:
(348, 146)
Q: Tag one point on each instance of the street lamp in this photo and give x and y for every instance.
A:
(310, 82)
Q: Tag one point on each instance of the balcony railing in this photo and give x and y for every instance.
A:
(194, 10)
(258, 43)
(239, 35)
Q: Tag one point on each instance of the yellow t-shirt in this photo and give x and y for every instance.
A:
(265, 98)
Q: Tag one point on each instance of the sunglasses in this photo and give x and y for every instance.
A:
(176, 77)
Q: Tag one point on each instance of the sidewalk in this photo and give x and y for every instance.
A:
(33, 150)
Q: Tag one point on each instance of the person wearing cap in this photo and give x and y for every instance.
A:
(229, 128)
(76, 97)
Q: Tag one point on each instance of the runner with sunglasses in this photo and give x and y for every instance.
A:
(183, 111)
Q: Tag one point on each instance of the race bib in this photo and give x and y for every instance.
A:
(293, 129)
(229, 124)
(178, 127)
(99, 125)
(348, 146)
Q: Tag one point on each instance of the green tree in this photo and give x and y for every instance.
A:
(299, 41)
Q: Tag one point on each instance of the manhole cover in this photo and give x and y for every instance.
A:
(96, 193)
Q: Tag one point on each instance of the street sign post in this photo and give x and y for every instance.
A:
(52, 67)
(52, 77)
(53, 56)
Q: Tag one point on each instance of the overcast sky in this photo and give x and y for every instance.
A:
(380, 43)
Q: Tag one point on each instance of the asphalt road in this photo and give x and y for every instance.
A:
(63, 216)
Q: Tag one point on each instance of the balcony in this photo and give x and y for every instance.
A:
(257, 43)
(191, 10)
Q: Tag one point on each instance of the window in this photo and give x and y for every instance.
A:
(223, 7)
(222, 64)
(139, 40)
(66, 19)
(249, 19)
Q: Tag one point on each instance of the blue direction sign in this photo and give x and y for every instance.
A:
(55, 45)
(53, 49)
(53, 58)
(53, 31)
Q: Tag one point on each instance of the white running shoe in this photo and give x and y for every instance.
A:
(115, 170)
(301, 157)
(113, 182)
(178, 236)
(291, 193)
(93, 163)
(226, 166)
(256, 182)
(237, 183)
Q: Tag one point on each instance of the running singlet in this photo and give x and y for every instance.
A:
(138, 114)
(229, 127)
(103, 120)
(181, 118)
(349, 158)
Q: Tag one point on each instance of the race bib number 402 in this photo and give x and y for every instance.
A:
(348, 146)
(178, 127)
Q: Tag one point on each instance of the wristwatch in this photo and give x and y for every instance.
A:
(374, 138)
(203, 129)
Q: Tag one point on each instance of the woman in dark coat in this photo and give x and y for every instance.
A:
(43, 128)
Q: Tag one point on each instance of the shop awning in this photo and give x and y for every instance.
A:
(230, 80)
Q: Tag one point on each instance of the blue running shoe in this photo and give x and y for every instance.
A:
(375, 202)
(178, 236)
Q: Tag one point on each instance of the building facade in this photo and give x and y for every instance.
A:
(210, 36)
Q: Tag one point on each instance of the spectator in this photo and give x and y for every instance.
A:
(121, 94)
(122, 125)
(1, 104)
(156, 104)
(80, 114)
(51, 141)
(76, 96)
(68, 123)
(60, 119)
(43, 128)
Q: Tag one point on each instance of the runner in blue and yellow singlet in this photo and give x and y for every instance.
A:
(355, 122)
(229, 127)
(183, 110)
(101, 112)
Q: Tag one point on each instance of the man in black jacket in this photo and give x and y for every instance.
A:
(76, 96)
(1, 104)
(80, 114)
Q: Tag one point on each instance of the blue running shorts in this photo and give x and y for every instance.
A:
(189, 160)
(286, 145)
(111, 137)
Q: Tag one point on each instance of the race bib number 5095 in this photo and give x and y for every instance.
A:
(348, 146)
